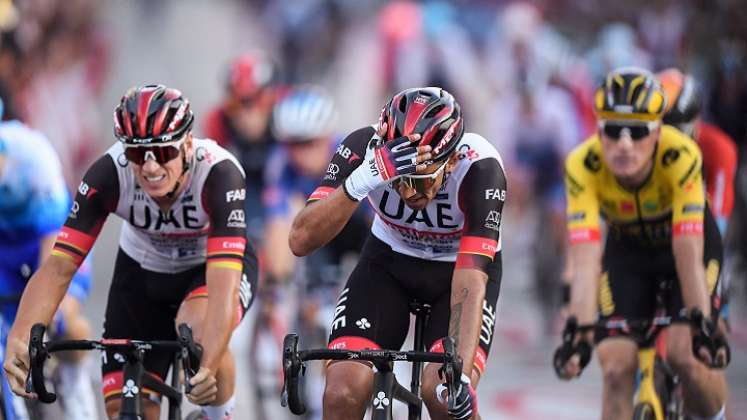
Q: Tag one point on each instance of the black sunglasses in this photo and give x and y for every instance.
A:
(636, 132)
(161, 154)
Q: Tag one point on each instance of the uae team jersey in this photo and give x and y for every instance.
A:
(463, 219)
(205, 223)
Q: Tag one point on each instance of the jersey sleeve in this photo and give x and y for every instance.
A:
(97, 196)
(482, 194)
(348, 156)
(223, 197)
(582, 211)
(683, 166)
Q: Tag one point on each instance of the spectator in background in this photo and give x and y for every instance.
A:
(304, 123)
(535, 121)
(617, 46)
(241, 123)
(423, 44)
(64, 64)
(661, 27)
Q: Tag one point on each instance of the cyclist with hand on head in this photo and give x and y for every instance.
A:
(438, 193)
(645, 179)
(34, 203)
(183, 254)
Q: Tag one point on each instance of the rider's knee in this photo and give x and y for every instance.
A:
(618, 367)
(347, 387)
(681, 359)
(428, 389)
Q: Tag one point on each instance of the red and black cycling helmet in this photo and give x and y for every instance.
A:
(152, 114)
(683, 97)
(249, 74)
(431, 112)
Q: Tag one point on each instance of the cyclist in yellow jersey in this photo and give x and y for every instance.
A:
(645, 180)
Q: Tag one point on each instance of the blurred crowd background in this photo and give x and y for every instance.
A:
(524, 73)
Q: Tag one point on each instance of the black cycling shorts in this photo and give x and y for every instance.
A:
(143, 305)
(373, 310)
(638, 281)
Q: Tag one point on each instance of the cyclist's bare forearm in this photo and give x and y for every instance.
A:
(688, 258)
(467, 296)
(320, 221)
(587, 269)
(43, 295)
(223, 302)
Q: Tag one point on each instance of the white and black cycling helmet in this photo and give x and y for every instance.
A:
(305, 113)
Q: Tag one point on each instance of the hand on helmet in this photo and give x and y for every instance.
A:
(384, 162)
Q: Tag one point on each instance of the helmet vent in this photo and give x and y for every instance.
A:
(434, 111)
(402, 106)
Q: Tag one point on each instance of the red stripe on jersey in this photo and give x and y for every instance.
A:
(480, 359)
(687, 228)
(581, 235)
(226, 245)
(352, 343)
(477, 245)
(320, 193)
(76, 239)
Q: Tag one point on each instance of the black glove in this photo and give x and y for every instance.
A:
(384, 161)
(708, 336)
(567, 349)
(463, 404)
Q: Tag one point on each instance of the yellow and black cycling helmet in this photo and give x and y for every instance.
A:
(630, 93)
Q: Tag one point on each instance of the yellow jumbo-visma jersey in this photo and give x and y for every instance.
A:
(670, 202)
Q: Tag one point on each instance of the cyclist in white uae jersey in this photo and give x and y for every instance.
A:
(438, 194)
(183, 254)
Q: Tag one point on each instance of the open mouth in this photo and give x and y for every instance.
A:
(155, 179)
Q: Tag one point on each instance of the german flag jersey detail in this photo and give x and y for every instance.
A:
(670, 202)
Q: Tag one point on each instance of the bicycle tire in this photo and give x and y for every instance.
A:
(194, 415)
(644, 411)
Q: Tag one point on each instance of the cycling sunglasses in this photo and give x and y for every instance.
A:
(637, 132)
(421, 183)
(159, 153)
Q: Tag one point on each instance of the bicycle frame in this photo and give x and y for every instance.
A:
(646, 389)
(186, 352)
(647, 402)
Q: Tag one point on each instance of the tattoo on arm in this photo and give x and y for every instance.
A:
(456, 315)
